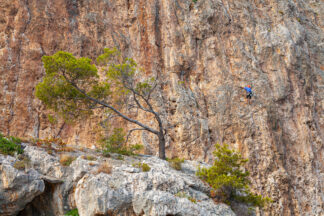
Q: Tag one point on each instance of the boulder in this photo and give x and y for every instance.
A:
(17, 187)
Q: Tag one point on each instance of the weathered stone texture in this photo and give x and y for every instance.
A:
(48, 188)
(17, 188)
(204, 51)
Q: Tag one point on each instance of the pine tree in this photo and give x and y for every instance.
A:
(229, 180)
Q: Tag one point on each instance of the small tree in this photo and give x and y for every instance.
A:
(230, 182)
(73, 89)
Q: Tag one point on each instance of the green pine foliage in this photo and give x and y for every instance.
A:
(73, 89)
(58, 92)
(10, 145)
(229, 180)
(73, 212)
(69, 80)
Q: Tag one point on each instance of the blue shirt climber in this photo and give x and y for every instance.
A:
(249, 95)
(248, 89)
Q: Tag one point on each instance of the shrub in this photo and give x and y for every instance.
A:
(120, 157)
(104, 168)
(73, 212)
(52, 119)
(113, 144)
(175, 163)
(10, 146)
(145, 167)
(66, 160)
(136, 147)
(49, 142)
(228, 179)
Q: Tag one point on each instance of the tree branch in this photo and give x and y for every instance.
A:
(149, 94)
(113, 109)
(132, 130)
(138, 103)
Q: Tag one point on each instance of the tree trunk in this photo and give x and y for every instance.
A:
(161, 146)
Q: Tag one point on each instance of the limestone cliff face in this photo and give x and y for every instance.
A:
(205, 51)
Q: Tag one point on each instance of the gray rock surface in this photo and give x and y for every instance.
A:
(48, 188)
(17, 187)
(162, 203)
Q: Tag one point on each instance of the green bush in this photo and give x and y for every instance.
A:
(175, 163)
(230, 182)
(120, 157)
(10, 146)
(114, 144)
(145, 167)
(73, 212)
(136, 147)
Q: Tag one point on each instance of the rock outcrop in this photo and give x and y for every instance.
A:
(17, 188)
(204, 52)
(48, 188)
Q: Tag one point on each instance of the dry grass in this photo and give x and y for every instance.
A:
(66, 149)
(66, 160)
(89, 157)
(104, 168)
(20, 165)
(92, 164)
(23, 163)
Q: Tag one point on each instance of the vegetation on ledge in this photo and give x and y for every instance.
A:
(228, 179)
(10, 145)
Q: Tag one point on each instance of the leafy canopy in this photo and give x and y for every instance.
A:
(73, 89)
(69, 80)
(10, 145)
(228, 178)
(58, 92)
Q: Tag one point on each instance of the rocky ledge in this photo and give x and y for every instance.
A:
(37, 183)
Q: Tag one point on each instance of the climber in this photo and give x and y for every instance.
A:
(249, 95)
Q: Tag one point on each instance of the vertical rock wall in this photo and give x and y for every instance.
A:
(204, 52)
